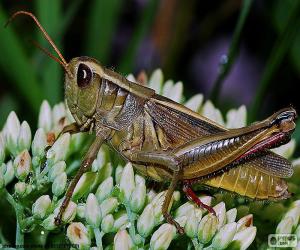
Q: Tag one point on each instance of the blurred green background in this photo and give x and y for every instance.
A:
(189, 40)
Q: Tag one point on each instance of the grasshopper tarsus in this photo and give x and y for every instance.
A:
(173, 222)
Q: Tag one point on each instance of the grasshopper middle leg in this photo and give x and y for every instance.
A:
(170, 162)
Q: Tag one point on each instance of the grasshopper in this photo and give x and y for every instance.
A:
(168, 142)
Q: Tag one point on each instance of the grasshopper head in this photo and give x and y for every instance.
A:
(82, 85)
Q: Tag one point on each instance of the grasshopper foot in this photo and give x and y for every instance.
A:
(173, 222)
(57, 221)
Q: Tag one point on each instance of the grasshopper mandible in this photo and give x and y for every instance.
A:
(167, 141)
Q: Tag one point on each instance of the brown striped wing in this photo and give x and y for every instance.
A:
(180, 125)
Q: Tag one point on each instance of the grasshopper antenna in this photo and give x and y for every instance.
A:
(36, 44)
(61, 60)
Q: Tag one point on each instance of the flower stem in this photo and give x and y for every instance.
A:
(281, 47)
(19, 236)
(137, 239)
(98, 236)
(228, 60)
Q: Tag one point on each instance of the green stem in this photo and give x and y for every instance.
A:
(228, 60)
(137, 239)
(98, 236)
(19, 236)
(17, 207)
(278, 52)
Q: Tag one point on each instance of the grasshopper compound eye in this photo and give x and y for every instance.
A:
(84, 75)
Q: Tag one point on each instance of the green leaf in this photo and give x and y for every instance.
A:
(102, 21)
(49, 12)
(279, 50)
(17, 66)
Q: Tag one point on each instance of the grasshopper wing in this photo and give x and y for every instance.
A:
(180, 125)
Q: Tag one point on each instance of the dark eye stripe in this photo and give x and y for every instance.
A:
(84, 75)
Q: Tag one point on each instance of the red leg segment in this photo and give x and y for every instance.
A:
(193, 197)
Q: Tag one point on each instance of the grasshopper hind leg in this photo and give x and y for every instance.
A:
(193, 197)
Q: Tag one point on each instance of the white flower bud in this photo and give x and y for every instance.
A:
(9, 174)
(209, 111)
(107, 223)
(195, 102)
(294, 213)
(176, 92)
(127, 181)
(231, 215)
(118, 174)
(244, 222)
(49, 223)
(45, 117)
(2, 149)
(59, 184)
(41, 207)
(80, 210)
(146, 221)
(193, 219)
(92, 211)
(39, 143)
(78, 235)
(285, 226)
(84, 185)
(156, 80)
(24, 139)
(22, 165)
(236, 118)
(58, 114)
(121, 221)
(59, 150)
(20, 188)
(100, 161)
(224, 236)
(69, 213)
(184, 209)
(138, 197)
(57, 169)
(12, 129)
(108, 205)
(122, 240)
(221, 213)
(207, 228)
(131, 78)
(104, 189)
(162, 237)
(244, 238)
(150, 195)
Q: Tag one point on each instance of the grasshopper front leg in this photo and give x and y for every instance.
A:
(85, 166)
(72, 128)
